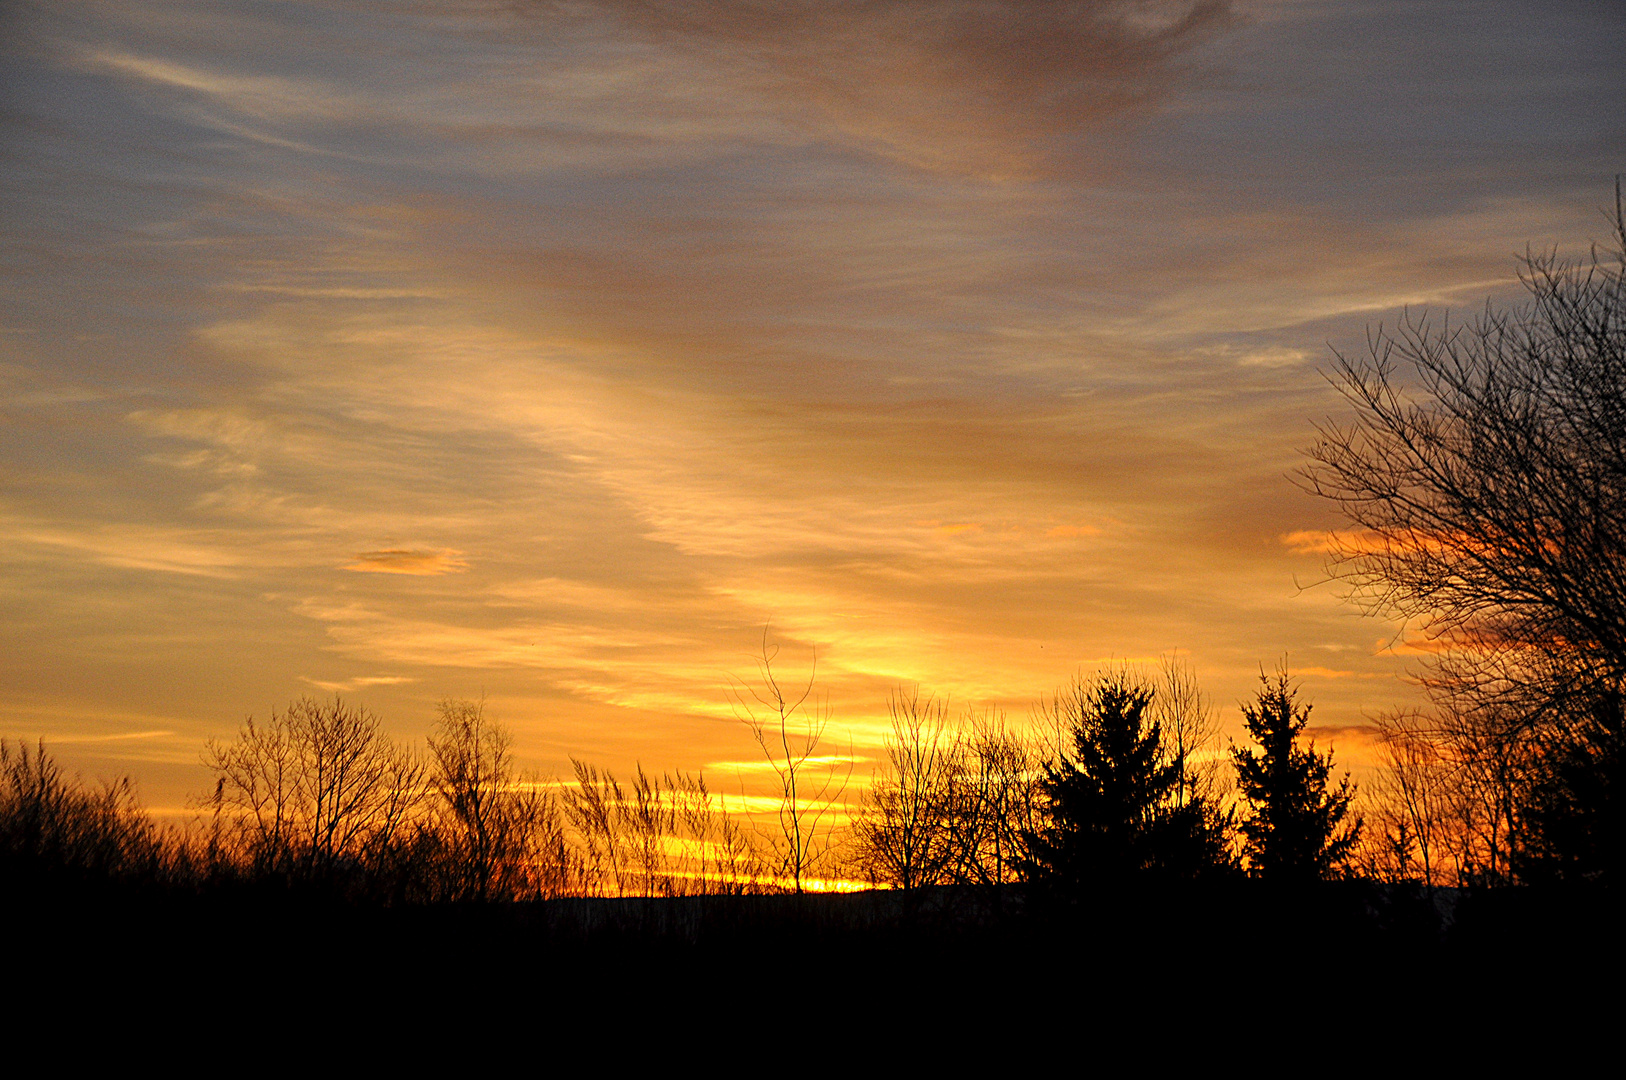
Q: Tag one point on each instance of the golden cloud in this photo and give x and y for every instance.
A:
(1323, 673)
(349, 686)
(409, 561)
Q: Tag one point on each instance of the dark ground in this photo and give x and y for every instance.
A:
(979, 966)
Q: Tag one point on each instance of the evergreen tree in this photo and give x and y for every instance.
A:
(1298, 829)
(1111, 806)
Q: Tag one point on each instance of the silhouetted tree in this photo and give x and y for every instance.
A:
(788, 724)
(1485, 472)
(314, 789)
(1191, 733)
(951, 804)
(1414, 811)
(593, 808)
(716, 853)
(905, 833)
(505, 832)
(999, 798)
(1295, 828)
(1112, 797)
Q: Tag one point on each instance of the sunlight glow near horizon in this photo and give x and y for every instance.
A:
(440, 350)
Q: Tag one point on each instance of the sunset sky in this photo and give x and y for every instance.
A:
(553, 351)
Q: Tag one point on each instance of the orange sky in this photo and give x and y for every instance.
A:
(415, 350)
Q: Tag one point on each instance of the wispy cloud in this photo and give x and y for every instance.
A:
(360, 682)
(421, 563)
(134, 547)
(114, 737)
(969, 86)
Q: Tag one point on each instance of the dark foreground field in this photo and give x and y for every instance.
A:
(955, 961)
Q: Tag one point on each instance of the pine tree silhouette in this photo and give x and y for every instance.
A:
(1112, 814)
(1296, 829)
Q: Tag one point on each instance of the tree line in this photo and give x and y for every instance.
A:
(1118, 779)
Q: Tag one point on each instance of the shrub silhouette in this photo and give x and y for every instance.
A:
(52, 827)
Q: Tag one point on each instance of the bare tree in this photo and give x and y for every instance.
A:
(999, 802)
(906, 833)
(1446, 798)
(788, 724)
(316, 785)
(505, 831)
(951, 803)
(1416, 827)
(1191, 734)
(701, 847)
(1485, 474)
(651, 820)
(1491, 494)
(1492, 761)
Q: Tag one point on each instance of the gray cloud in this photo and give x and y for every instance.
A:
(986, 86)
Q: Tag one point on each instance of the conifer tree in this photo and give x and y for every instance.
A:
(1297, 828)
(1111, 806)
